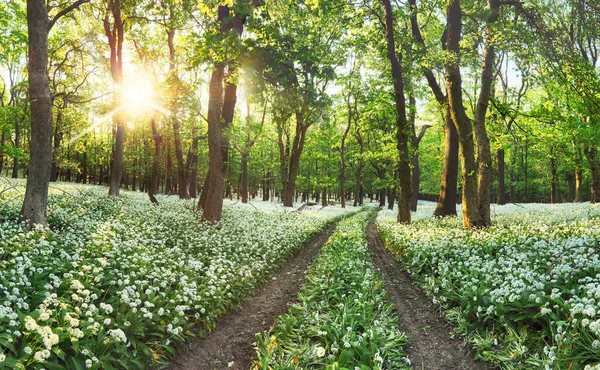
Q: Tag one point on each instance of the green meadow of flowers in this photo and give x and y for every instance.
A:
(526, 292)
(118, 282)
(343, 319)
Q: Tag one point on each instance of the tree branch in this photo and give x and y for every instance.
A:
(66, 11)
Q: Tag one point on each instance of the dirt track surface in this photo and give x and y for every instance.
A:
(230, 344)
(430, 345)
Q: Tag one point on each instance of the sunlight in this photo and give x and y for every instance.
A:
(137, 97)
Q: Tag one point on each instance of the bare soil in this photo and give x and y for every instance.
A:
(230, 344)
(430, 342)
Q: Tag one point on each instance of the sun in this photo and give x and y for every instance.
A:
(138, 97)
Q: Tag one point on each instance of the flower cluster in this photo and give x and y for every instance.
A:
(526, 291)
(119, 282)
(343, 319)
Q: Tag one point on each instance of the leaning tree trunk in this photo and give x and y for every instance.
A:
(40, 163)
(470, 201)
(402, 127)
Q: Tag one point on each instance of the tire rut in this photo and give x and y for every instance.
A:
(430, 345)
(230, 344)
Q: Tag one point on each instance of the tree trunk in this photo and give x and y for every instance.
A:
(155, 159)
(593, 162)
(36, 192)
(416, 181)
(192, 168)
(266, 187)
(15, 168)
(391, 195)
(294, 163)
(58, 135)
(501, 168)
(446, 204)
(169, 179)
(470, 202)
(578, 184)
(215, 182)
(402, 127)
(484, 154)
(323, 197)
(244, 185)
(553, 179)
(115, 41)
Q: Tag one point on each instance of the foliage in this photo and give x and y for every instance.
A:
(524, 292)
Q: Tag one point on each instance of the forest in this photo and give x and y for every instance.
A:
(277, 184)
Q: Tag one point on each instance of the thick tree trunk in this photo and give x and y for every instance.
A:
(215, 182)
(446, 205)
(40, 163)
(501, 170)
(402, 127)
(323, 197)
(484, 154)
(470, 201)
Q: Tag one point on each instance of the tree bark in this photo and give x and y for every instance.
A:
(15, 168)
(244, 182)
(553, 179)
(215, 181)
(501, 170)
(594, 165)
(484, 155)
(154, 181)
(58, 135)
(343, 154)
(470, 201)
(34, 209)
(294, 162)
(402, 126)
(578, 184)
(446, 204)
(115, 35)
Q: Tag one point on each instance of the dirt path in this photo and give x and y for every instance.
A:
(229, 345)
(430, 346)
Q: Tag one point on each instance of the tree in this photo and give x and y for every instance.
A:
(36, 192)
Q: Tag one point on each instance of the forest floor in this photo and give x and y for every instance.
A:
(430, 341)
(230, 344)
